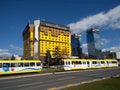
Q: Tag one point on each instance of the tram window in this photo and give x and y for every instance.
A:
(12, 65)
(6, 64)
(102, 62)
(26, 64)
(72, 62)
(76, 62)
(79, 62)
(114, 62)
(38, 64)
(20, 64)
(32, 64)
(98, 62)
(84, 62)
(65, 62)
(87, 62)
(0, 65)
(68, 62)
(94, 62)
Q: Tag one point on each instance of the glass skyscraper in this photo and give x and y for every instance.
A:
(94, 44)
(75, 45)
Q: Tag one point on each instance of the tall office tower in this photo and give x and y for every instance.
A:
(94, 43)
(43, 36)
(76, 46)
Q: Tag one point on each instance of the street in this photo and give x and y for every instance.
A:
(59, 79)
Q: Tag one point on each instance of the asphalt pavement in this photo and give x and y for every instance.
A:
(55, 81)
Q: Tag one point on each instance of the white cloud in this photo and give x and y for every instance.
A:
(4, 52)
(84, 48)
(110, 19)
(84, 45)
(16, 47)
(104, 41)
(114, 49)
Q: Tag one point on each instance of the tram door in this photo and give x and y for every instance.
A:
(88, 64)
(6, 67)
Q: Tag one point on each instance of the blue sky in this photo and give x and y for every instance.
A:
(78, 14)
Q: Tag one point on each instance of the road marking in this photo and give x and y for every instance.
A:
(70, 85)
(17, 80)
(52, 89)
(23, 85)
(93, 74)
(50, 73)
(29, 84)
(94, 80)
(25, 76)
(65, 78)
(83, 82)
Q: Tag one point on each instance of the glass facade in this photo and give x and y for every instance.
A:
(75, 45)
(94, 44)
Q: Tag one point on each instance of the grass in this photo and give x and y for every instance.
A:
(51, 70)
(108, 84)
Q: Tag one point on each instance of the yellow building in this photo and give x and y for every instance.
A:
(42, 36)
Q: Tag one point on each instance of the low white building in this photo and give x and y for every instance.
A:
(17, 57)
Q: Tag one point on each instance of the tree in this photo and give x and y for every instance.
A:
(48, 58)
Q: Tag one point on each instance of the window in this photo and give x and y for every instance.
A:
(87, 62)
(84, 62)
(79, 62)
(114, 62)
(20, 64)
(0, 65)
(94, 62)
(38, 64)
(102, 62)
(76, 62)
(32, 64)
(6, 64)
(68, 62)
(26, 64)
(13, 65)
(73, 62)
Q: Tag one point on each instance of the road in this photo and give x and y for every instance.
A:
(47, 81)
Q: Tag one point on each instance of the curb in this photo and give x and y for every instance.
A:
(83, 82)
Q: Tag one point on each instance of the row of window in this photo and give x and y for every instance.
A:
(27, 64)
(93, 62)
(53, 30)
(55, 39)
(75, 62)
(53, 49)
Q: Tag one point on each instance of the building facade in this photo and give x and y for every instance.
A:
(76, 46)
(43, 36)
(94, 44)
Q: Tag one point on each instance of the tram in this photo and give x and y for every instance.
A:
(19, 66)
(75, 64)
